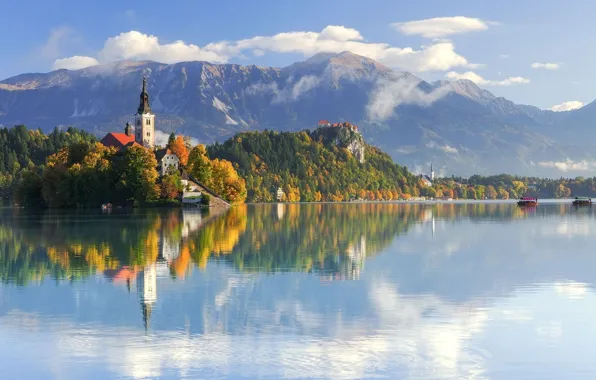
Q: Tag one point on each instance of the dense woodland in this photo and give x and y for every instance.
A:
(68, 168)
(308, 168)
(23, 150)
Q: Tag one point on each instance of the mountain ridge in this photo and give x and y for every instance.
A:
(460, 126)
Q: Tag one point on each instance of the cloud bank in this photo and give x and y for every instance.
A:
(388, 95)
(74, 63)
(569, 165)
(441, 26)
(134, 45)
(567, 106)
(470, 75)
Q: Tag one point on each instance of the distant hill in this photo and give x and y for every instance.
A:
(327, 164)
(460, 127)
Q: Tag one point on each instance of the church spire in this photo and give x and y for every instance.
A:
(144, 107)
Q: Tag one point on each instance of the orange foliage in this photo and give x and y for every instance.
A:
(178, 147)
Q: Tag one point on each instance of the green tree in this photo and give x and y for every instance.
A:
(136, 174)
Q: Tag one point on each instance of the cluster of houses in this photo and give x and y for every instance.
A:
(143, 135)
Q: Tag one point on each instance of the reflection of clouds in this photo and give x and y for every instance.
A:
(572, 229)
(517, 315)
(571, 290)
(433, 333)
(421, 337)
(550, 330)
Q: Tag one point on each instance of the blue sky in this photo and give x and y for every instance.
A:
(495, 45)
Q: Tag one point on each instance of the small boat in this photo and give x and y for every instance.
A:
(528, 201)
(582, 201)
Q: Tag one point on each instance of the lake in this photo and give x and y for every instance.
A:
(323, 291)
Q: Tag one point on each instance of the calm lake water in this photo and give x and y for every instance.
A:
(353, 291)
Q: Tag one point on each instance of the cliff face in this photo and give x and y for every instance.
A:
(343, 137)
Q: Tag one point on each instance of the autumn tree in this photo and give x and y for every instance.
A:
(491, 193)
(226, 182)
(199, 165)
(171, 185)
(178, 147)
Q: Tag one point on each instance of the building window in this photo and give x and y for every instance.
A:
(148, 121)
(139, 122)
(148, 134)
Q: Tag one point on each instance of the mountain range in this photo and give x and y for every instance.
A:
(460, 127)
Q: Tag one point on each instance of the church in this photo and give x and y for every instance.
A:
(143, 135)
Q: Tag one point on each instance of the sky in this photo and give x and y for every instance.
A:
(535, 52)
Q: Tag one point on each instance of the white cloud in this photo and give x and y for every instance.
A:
(448, 149)
(388, 95)
(74, 63)
(161, 137)
(445, 148)
(570, 165)
(135, 45)
(546, 66)
(59, 38)
(504, 56)
(567, 106)
(291, 92)
(469, 75)
(139, 46)
(441, 26)
(340, 33)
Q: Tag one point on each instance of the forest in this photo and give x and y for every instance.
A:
(309, 168)
(70, 169)
(23, 150)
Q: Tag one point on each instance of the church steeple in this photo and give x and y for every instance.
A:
(432, 172)
(144, 107)
(145, 120)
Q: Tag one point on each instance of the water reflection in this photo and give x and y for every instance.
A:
(442, 291)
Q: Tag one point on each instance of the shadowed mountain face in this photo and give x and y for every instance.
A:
(461, 127)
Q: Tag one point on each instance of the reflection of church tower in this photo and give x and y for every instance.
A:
(433, 227)
(147, 289)
(357, 256)
(280, 211)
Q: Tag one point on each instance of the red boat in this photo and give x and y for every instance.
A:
(528, 201)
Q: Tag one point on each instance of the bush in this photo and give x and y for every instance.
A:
(205, 200)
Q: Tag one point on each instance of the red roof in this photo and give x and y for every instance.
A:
(130, 145)
(323, 122)
(117, 140)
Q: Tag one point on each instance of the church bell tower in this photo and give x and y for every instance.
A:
(145, 120)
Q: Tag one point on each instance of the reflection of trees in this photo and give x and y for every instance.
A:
(316, 237)
(330, 239)
(71, 246)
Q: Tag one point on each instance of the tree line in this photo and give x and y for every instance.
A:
(68, 168)
(72, 170)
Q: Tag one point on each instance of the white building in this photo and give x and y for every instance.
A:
(166, 160)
